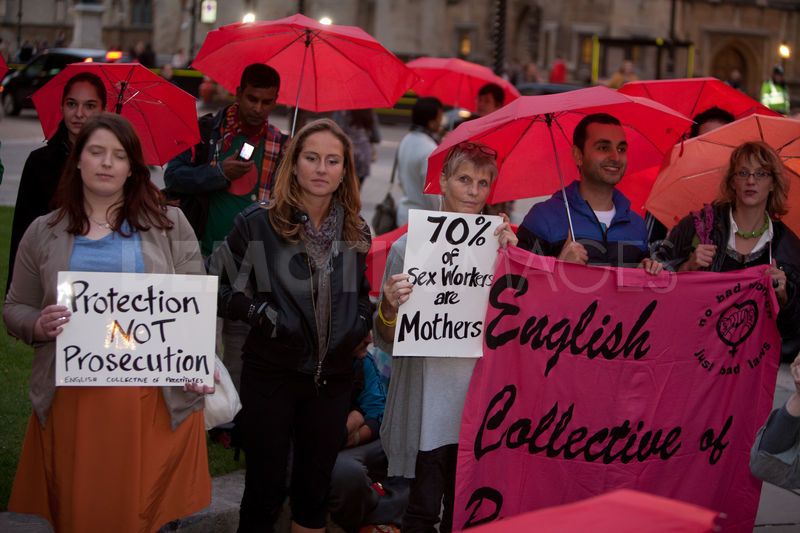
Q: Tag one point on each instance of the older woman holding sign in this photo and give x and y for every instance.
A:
(293, 269)
(123, 459)
(744, 229)
(426, 394)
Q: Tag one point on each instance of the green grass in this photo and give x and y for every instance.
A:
(15, 409)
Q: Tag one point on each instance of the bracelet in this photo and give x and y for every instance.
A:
(387, 323)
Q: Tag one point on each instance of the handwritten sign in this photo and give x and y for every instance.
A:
(450, 260)
(622, 386)
(136, 329)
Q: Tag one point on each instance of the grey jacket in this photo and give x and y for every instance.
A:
(43, 252)
(781, 469)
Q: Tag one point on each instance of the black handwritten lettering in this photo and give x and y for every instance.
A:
(621, 443)
(82, 301)
(561, 336)
(170, 361)
(477, 499)
(716, 444)
(440, 327)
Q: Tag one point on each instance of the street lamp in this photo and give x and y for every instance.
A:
(784, 51)
(326, 21)
(249, 17)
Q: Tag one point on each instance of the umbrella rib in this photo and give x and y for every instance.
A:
(697, 100)
(369, 74)
(149, 131)
(314, 69)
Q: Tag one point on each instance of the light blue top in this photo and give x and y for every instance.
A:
(112, 253)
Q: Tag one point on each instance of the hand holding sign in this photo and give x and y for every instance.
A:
(50, 322)
(396, 291)
(505, 235)
(573, 251)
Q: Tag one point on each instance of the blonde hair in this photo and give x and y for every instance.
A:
(481, 156)
(286, 197)
(769, 161)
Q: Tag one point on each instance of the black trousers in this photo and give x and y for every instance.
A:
(433, 486)
(281, 410)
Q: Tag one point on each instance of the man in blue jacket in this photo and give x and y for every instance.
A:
(607, 232)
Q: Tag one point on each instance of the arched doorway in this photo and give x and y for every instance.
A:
(736, 54)
(726, 60)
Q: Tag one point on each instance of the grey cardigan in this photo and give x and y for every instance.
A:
(43, 252)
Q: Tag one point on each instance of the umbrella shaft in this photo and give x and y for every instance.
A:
(560, 177)
(300, 83)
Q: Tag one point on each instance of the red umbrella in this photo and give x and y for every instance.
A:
(377, 256)
(533, 138)
(164, 116)
(619, 511)
(691, 96)
(322, 67)
(3, 67)
(695, 169)
(456, 82)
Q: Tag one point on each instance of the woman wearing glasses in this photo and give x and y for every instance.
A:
(743, 229)
(426, 394)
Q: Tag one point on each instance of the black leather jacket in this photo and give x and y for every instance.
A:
(255, 262)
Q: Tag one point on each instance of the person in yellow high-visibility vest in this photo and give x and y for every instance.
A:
(774, 93)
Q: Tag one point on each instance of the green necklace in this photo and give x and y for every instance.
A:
(757, 233)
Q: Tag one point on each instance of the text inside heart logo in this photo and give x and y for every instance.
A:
(736, 323)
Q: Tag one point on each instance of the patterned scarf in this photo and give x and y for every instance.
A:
(322, 246)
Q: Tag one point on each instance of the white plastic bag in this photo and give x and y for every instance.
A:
(223, 404)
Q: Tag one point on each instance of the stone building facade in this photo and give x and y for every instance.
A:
(714, 36)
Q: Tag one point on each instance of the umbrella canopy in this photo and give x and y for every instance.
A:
(691, 96)
(164, 116)
(3, 67)
(619, 511)
(533, 138)
(693, 174)
(456, 82)
(322, 67)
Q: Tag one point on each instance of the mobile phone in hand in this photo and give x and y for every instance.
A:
(246, 152)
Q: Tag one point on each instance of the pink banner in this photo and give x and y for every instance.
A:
(596, 379)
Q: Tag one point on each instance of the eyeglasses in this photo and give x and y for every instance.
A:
(759, 174)
(475, 147)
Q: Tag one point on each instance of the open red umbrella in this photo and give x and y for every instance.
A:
(695, 169)
(322, 67)
(456, 82)
(533, 138)
(619, 511)
(164, 116)
(3, 67)
(691, 96)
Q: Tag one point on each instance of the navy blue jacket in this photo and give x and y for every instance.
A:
(623, 243)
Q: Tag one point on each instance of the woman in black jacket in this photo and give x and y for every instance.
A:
(744, 229)
(294, 270)
(84, 95)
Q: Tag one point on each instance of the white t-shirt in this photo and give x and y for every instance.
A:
(605, 217)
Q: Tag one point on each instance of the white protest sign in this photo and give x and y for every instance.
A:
(450, 260)
(136, 329)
